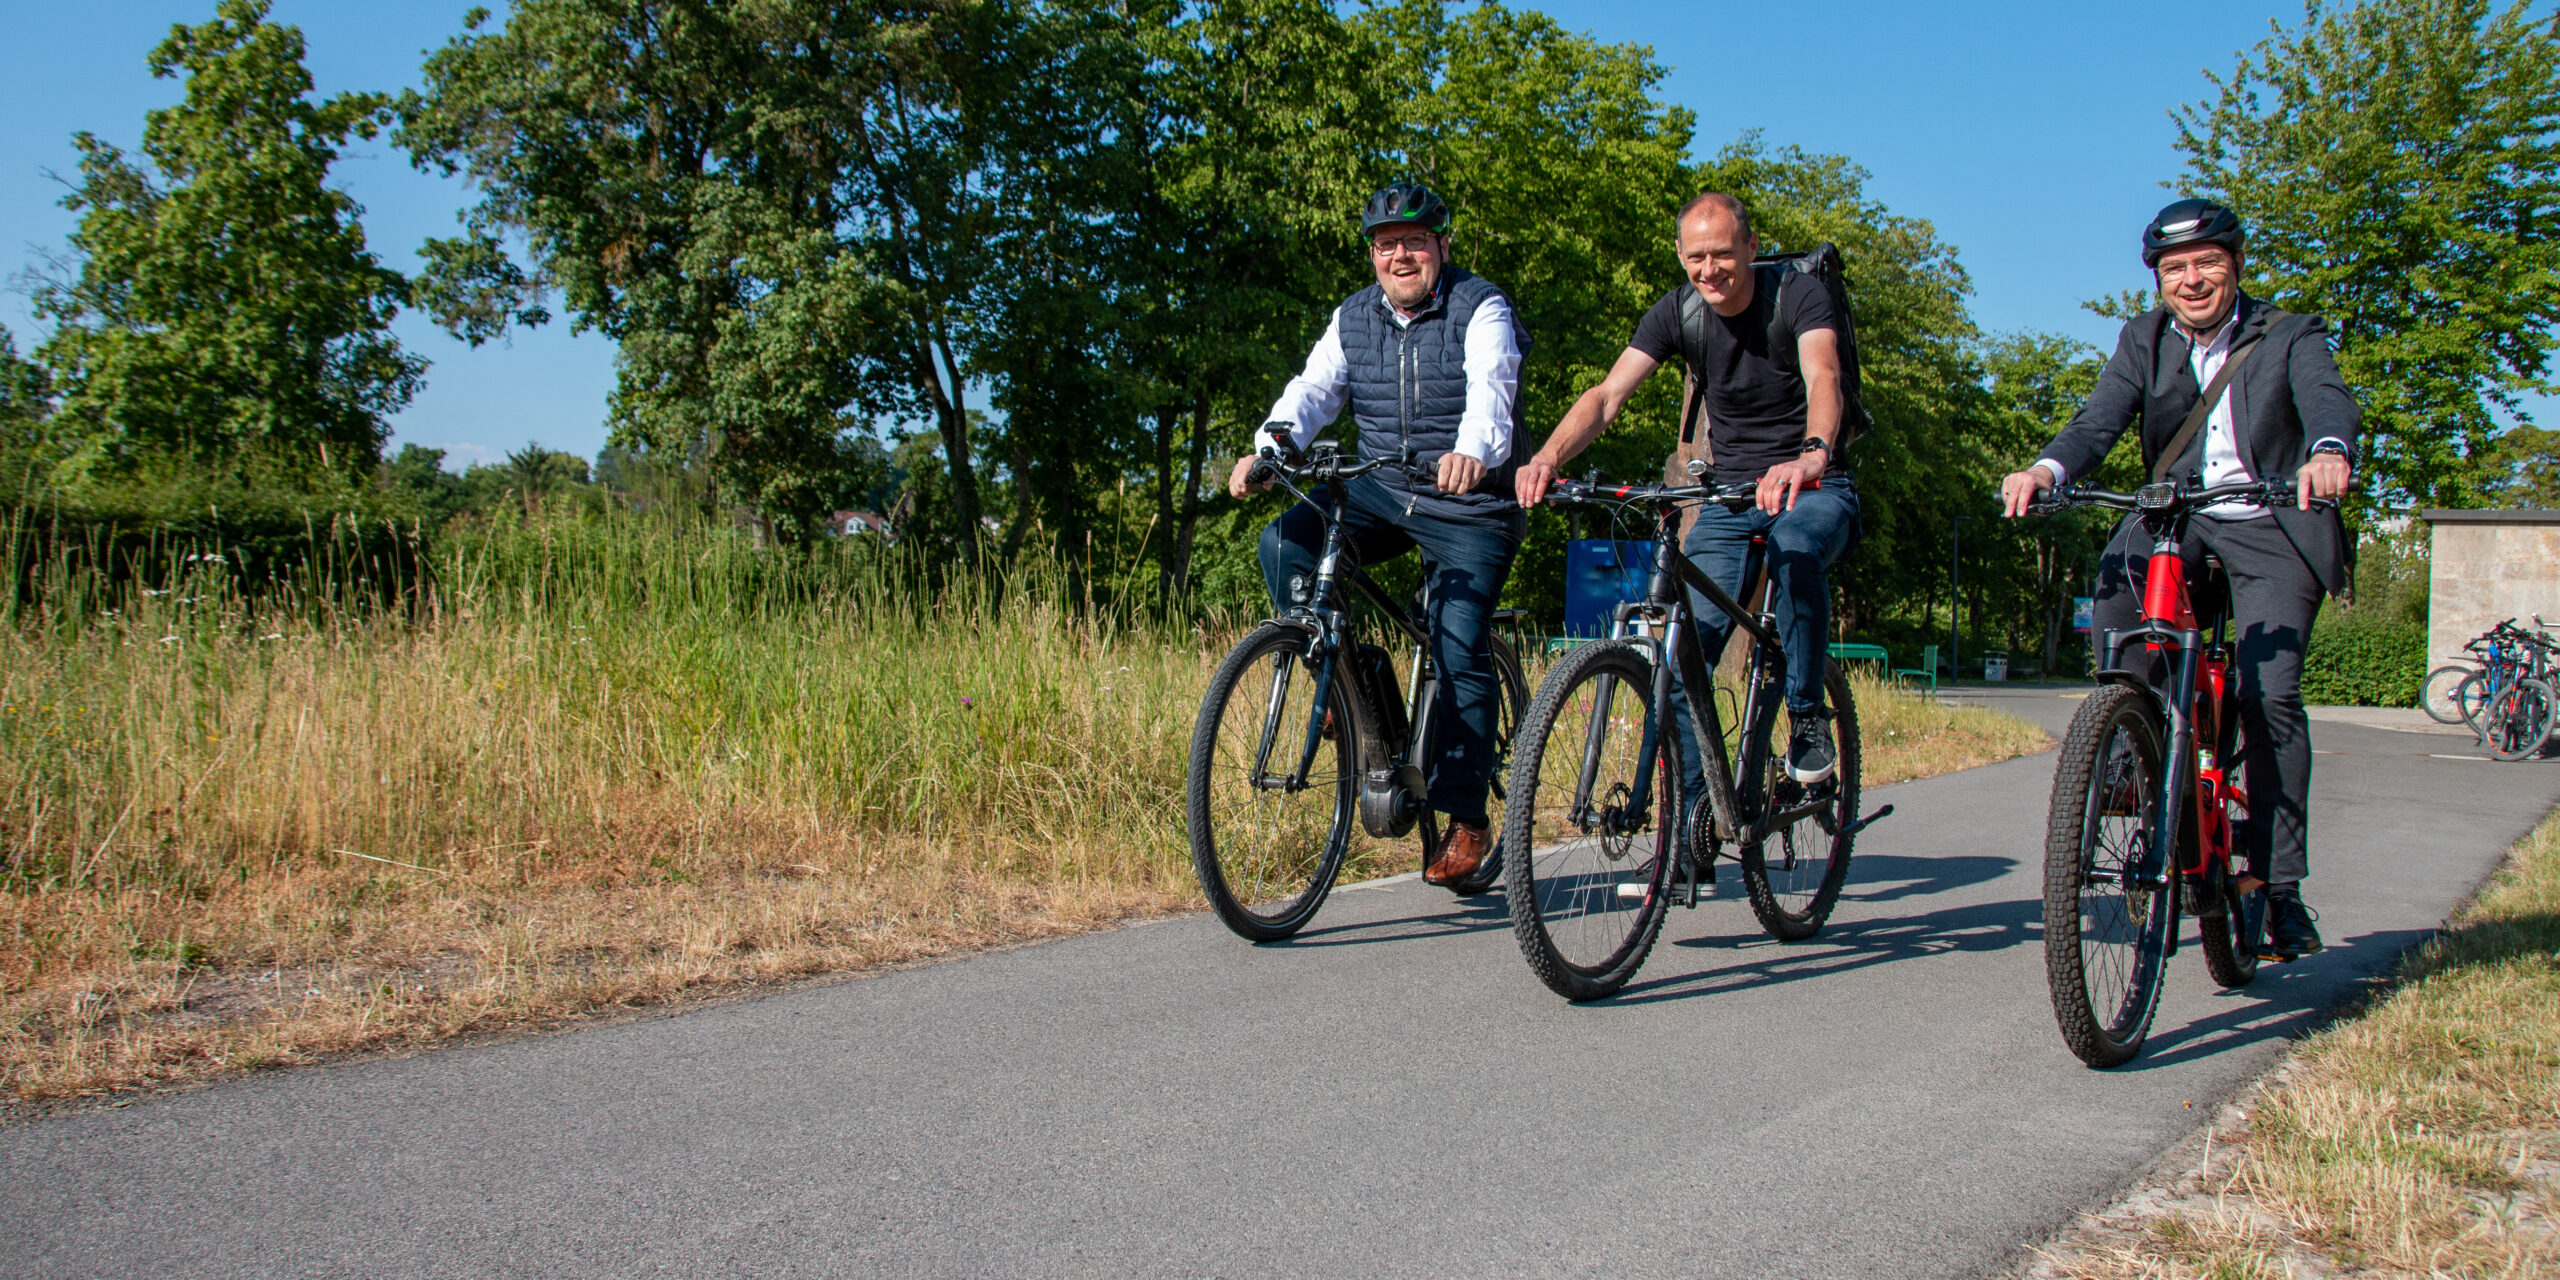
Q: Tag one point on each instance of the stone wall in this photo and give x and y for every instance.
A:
(2485, 567)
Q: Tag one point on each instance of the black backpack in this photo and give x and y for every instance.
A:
(1771, 270)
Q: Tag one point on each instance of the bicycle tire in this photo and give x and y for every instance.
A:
(1587, 905)
(2106, 794)
(1265, 864)
(2517, 722)
(1513, 698)
(1793, 894)
(2440, 696)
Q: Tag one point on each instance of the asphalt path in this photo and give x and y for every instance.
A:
(1392, 1094)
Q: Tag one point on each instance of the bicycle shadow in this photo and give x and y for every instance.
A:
(1892, 877)
(1482, 913)
(1847, 948)
(2283, 1003)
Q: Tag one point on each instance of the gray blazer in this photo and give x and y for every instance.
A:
(2288, 397)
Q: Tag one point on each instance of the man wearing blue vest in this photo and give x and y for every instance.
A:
(1427, 357)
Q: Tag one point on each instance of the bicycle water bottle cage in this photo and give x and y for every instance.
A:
(2156, 497)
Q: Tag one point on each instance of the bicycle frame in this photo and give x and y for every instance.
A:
(1332, 632)
(2193, 709)
(1737, 818)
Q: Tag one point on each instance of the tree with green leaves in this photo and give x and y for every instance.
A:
(775, 209)
(219, 300)
(2398, 162)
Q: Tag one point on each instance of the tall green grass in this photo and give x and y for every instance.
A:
(541, 678)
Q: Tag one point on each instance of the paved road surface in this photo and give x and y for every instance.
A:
(1392, 1095)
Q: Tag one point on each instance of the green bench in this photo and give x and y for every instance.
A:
(1927, 671)
(1861, 653)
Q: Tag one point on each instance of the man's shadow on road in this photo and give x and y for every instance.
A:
(1846, 948)
(2283, 1002)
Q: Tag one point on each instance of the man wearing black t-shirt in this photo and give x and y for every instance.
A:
(1773, 420)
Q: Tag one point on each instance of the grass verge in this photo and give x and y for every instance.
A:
(595, 768)
(2417, 1138)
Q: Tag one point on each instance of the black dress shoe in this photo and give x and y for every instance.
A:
(2290, 931)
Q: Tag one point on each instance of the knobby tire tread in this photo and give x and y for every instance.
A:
(1775, 918)
(2067, 824)
(1519, 822)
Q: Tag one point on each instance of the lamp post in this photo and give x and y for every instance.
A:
(1955, 602)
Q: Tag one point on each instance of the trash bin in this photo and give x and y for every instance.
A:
(1995, 667)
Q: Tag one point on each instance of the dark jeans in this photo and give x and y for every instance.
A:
(1804, 542)
(1468, 559)
(2273, 599)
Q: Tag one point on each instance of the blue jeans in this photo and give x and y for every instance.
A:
(1468, 559)
(1804, 541)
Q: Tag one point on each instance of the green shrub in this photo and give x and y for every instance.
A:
(2365, 661)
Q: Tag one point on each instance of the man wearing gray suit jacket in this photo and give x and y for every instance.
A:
(2286, 411)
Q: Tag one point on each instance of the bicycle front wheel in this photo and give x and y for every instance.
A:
(2517, 721)
(1795, 870)
(2106, 939)
(1271, 786)
(2442, 694)
(1590, 851)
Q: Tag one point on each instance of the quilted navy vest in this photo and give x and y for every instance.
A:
(1409, 387)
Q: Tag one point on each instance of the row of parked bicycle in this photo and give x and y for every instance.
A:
(2504, 691)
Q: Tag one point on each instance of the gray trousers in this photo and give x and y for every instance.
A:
(2273, 599)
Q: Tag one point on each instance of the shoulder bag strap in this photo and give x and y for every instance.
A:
(2204, 409)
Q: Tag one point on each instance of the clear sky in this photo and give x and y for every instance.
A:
(2034, 135)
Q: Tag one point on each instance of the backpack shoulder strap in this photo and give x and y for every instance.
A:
(1782, 340)
(1693, 353)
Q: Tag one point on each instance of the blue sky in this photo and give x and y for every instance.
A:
(2035, 136)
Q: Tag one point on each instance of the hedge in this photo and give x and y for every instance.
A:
(2365, 662)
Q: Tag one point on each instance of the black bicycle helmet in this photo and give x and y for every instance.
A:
(1405, 202)
(2191, 221)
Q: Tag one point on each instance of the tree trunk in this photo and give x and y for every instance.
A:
(1168, 416)
(1187, 520)
(951, 416)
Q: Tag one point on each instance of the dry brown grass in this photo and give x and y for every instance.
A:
(2421, 1138)
(604, 776)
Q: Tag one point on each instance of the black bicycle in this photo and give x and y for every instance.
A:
(1596, 798)
(1305, 725)
(2508, 699)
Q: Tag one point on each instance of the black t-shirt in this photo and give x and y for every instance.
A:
(1755, 407)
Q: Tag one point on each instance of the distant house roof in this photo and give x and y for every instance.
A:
(848, 523)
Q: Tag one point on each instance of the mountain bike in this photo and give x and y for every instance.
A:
(1306, 728)
(1596, 806)
(2144, 797)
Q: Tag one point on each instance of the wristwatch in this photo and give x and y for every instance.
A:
(1812, 443)
(2330, 446)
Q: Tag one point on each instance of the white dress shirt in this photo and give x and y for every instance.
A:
(1315, 397)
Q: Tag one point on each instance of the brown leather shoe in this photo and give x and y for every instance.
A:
(1462, 850)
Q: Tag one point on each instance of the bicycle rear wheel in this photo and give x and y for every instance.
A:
(1590, 856)
(2106, 940)
(1511, 698)
(2442, 695)
(1794, 872)
(1266, 840)
(2517, 721)
(2217, 902)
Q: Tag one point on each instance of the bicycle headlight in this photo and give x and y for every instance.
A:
(2156, 497)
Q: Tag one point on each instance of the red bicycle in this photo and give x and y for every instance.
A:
(2145, 796)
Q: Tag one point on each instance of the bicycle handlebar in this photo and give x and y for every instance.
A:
(1733, 497)
(1325, 462)
(2167, 496)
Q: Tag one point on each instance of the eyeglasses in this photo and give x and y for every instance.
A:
(1417, 243)
(2209, 267)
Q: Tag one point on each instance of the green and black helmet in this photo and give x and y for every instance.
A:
(1405, 202)
(2191, 221)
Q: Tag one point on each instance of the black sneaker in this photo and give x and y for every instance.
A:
(1810, 755)
(2290, 931)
